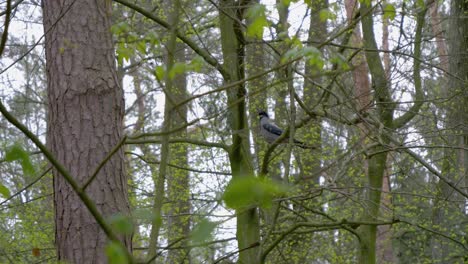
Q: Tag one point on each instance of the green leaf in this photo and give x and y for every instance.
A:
(120, 28)
(389, 11)
(116, 254)
(365, 2)
(340, 61)
(243, 192)
(123, 53)
(160, 72)
(152, 37)
(326, 14)
(4, 191)
(290, 55)
(203, 231)
(17, 153)
(177, 68)
(286, 2)
(256, 14)
(314, 56)
(196, 64)
(141, 46)
(121, 223)
(144, 214)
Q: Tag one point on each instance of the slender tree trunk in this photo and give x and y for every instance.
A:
(436, 25)
(85, 113)
(384, 233)
(255, 64)
(232, 42)
(455, 162)
(170, 89)
(178, 189)
(376, 163)
(384, 111)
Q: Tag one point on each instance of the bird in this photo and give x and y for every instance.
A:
(270, 131)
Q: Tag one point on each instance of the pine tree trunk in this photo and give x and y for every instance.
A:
(85, 113)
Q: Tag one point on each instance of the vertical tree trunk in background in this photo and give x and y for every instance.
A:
(458, 46)
(455, 163)
(384, 233)
(232, 42)
(256, 63)
(85, 112)
(178, 188)
(176, 179)
(376, 164)
(361, 80)
(280, 93)
(385, 107)
(313, 130)
(436, 24)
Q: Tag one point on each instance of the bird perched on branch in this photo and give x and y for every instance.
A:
(270, 131)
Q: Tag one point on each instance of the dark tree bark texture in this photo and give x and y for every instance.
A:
(85, 112)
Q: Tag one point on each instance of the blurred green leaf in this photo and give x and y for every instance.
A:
(160, 72)
(196, 64)
(389, 11)
(340, 61)
(121, 223)
(4, 191)
(123, 53)
(116, 254)
(326, 14)
(141, 46)
(17, 153)
(203, 231)
(120, 28)
(177, 69)
(248, 191)
(258, 20)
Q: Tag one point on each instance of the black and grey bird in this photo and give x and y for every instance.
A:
(270, 131)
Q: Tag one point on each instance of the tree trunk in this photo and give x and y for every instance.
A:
(376, 164)
(232, 42)
(455, 162)
(85, 113)
(178, 188)
(177, 180)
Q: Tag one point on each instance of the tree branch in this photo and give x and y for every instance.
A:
(202, 52)
(419, 96)
(180, 140)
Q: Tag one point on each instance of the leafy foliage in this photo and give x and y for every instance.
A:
(251, 191)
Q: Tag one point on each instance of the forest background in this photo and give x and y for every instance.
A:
(129, 131)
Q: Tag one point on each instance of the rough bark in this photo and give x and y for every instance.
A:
(85, 113)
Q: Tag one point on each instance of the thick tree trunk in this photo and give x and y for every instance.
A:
(84, 123)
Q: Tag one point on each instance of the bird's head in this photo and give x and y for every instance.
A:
(262, 114)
